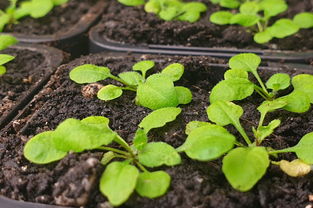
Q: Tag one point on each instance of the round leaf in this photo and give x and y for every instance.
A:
(3, 70)
(235, 73)
(131, 78)
(231, 4)
(157, 92)
(273, 7)
(6, 41)
(245, 61)
(283, 28)
(184, 95)
(153, 184)
(174, 71)
(246, 20)
(249, 7)
(118, 182)
(303, 83)
(132, 2)
(109, 92)
(41, 150)
(221, 17)
(304, 20)
(143, 66)
(97, 121)
(192, 125)
(208, 142)
(4, 58)
(263, 37)
(279, 81)
(224, 113)
(159, 118)
(156, 154)
(304, 148)
(297, 102)
(89, 73)
(244, 167)
(40, 8)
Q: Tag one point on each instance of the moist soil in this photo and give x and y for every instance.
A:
(194, 184)
(132, 25)
(59, 20)
(22, 74)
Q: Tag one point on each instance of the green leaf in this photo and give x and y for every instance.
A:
(235, 73)
(297, 102)
(40, 8)
(245, 61)
(153, 6)
(231, 89)
(41, 150)
(59, 2)
(264, 131)
(153, 184)
(184, 95)
(6, 41)
(4, 20)
(278, 81)
(191, 11)
(118, 182)
(221, 17)
(269, 106)
(3, 70)
(224, 113)
(156, 154)
(157, 92)
(168, 13)
(174, 71)
(208, 142)
(143, 66)
(244, 167)
(89, 73)
(263, 37)
(132, 2)
(192, 125)
(109, 92)
(295, 168)
(273, 7)
(140, 139)
(159, 118)
(23, 10)
(77, 136)
(304, 148)
(132, 78)
(231, 4)
(107, 157)
(304, 20)
(303, 83)
(4, 58)
(283, 28)
(249, 7)
(246, 20)
(100, 122)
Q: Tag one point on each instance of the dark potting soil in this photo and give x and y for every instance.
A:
(132, 25)
(194, 184)
(22, 74)
(60, 19)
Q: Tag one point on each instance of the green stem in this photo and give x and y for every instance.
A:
(239, 144)
(114, 150)
(120, 80)
(141, 167)
(124, 144)
(261, 83)
(290, 149)
(128, 88)
(260, 27)
(243, 133)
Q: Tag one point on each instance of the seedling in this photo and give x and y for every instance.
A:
(120, 178)
(5, 41)
(255, 15)
(244, 164)
(171, 9)
(237, 86)
(33, 8)
(155, 92)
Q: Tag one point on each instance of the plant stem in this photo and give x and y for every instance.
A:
(128, 88)
(261, 83)
(124, 144)
(260, 91)
(242, 132)
(239, 144)
(141, 167)
(290, 149)
(260, 27)
(114, 150)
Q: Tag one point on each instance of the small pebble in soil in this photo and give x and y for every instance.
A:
(91, 90)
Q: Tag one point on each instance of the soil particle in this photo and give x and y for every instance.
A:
(194, 184)
(133, 25)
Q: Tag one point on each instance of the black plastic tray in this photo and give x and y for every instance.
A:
(72, 40)
(53, 58)
(97, 43)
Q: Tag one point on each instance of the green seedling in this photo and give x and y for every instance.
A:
(5, 42)
(244, 164)
(122, 177)
(255, 15)
(237, 86)
(33, 8)
(171, 9)
(154, 92)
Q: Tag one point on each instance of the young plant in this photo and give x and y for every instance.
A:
(5, 42)
(122, 177)
(244, 164)
(237, 86)
(255, 15)
(171, 9)
(33, 8)
(154, 92)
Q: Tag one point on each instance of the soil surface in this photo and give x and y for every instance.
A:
(194, 184)
(22, 74)
(133, 25)
(59, 20)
